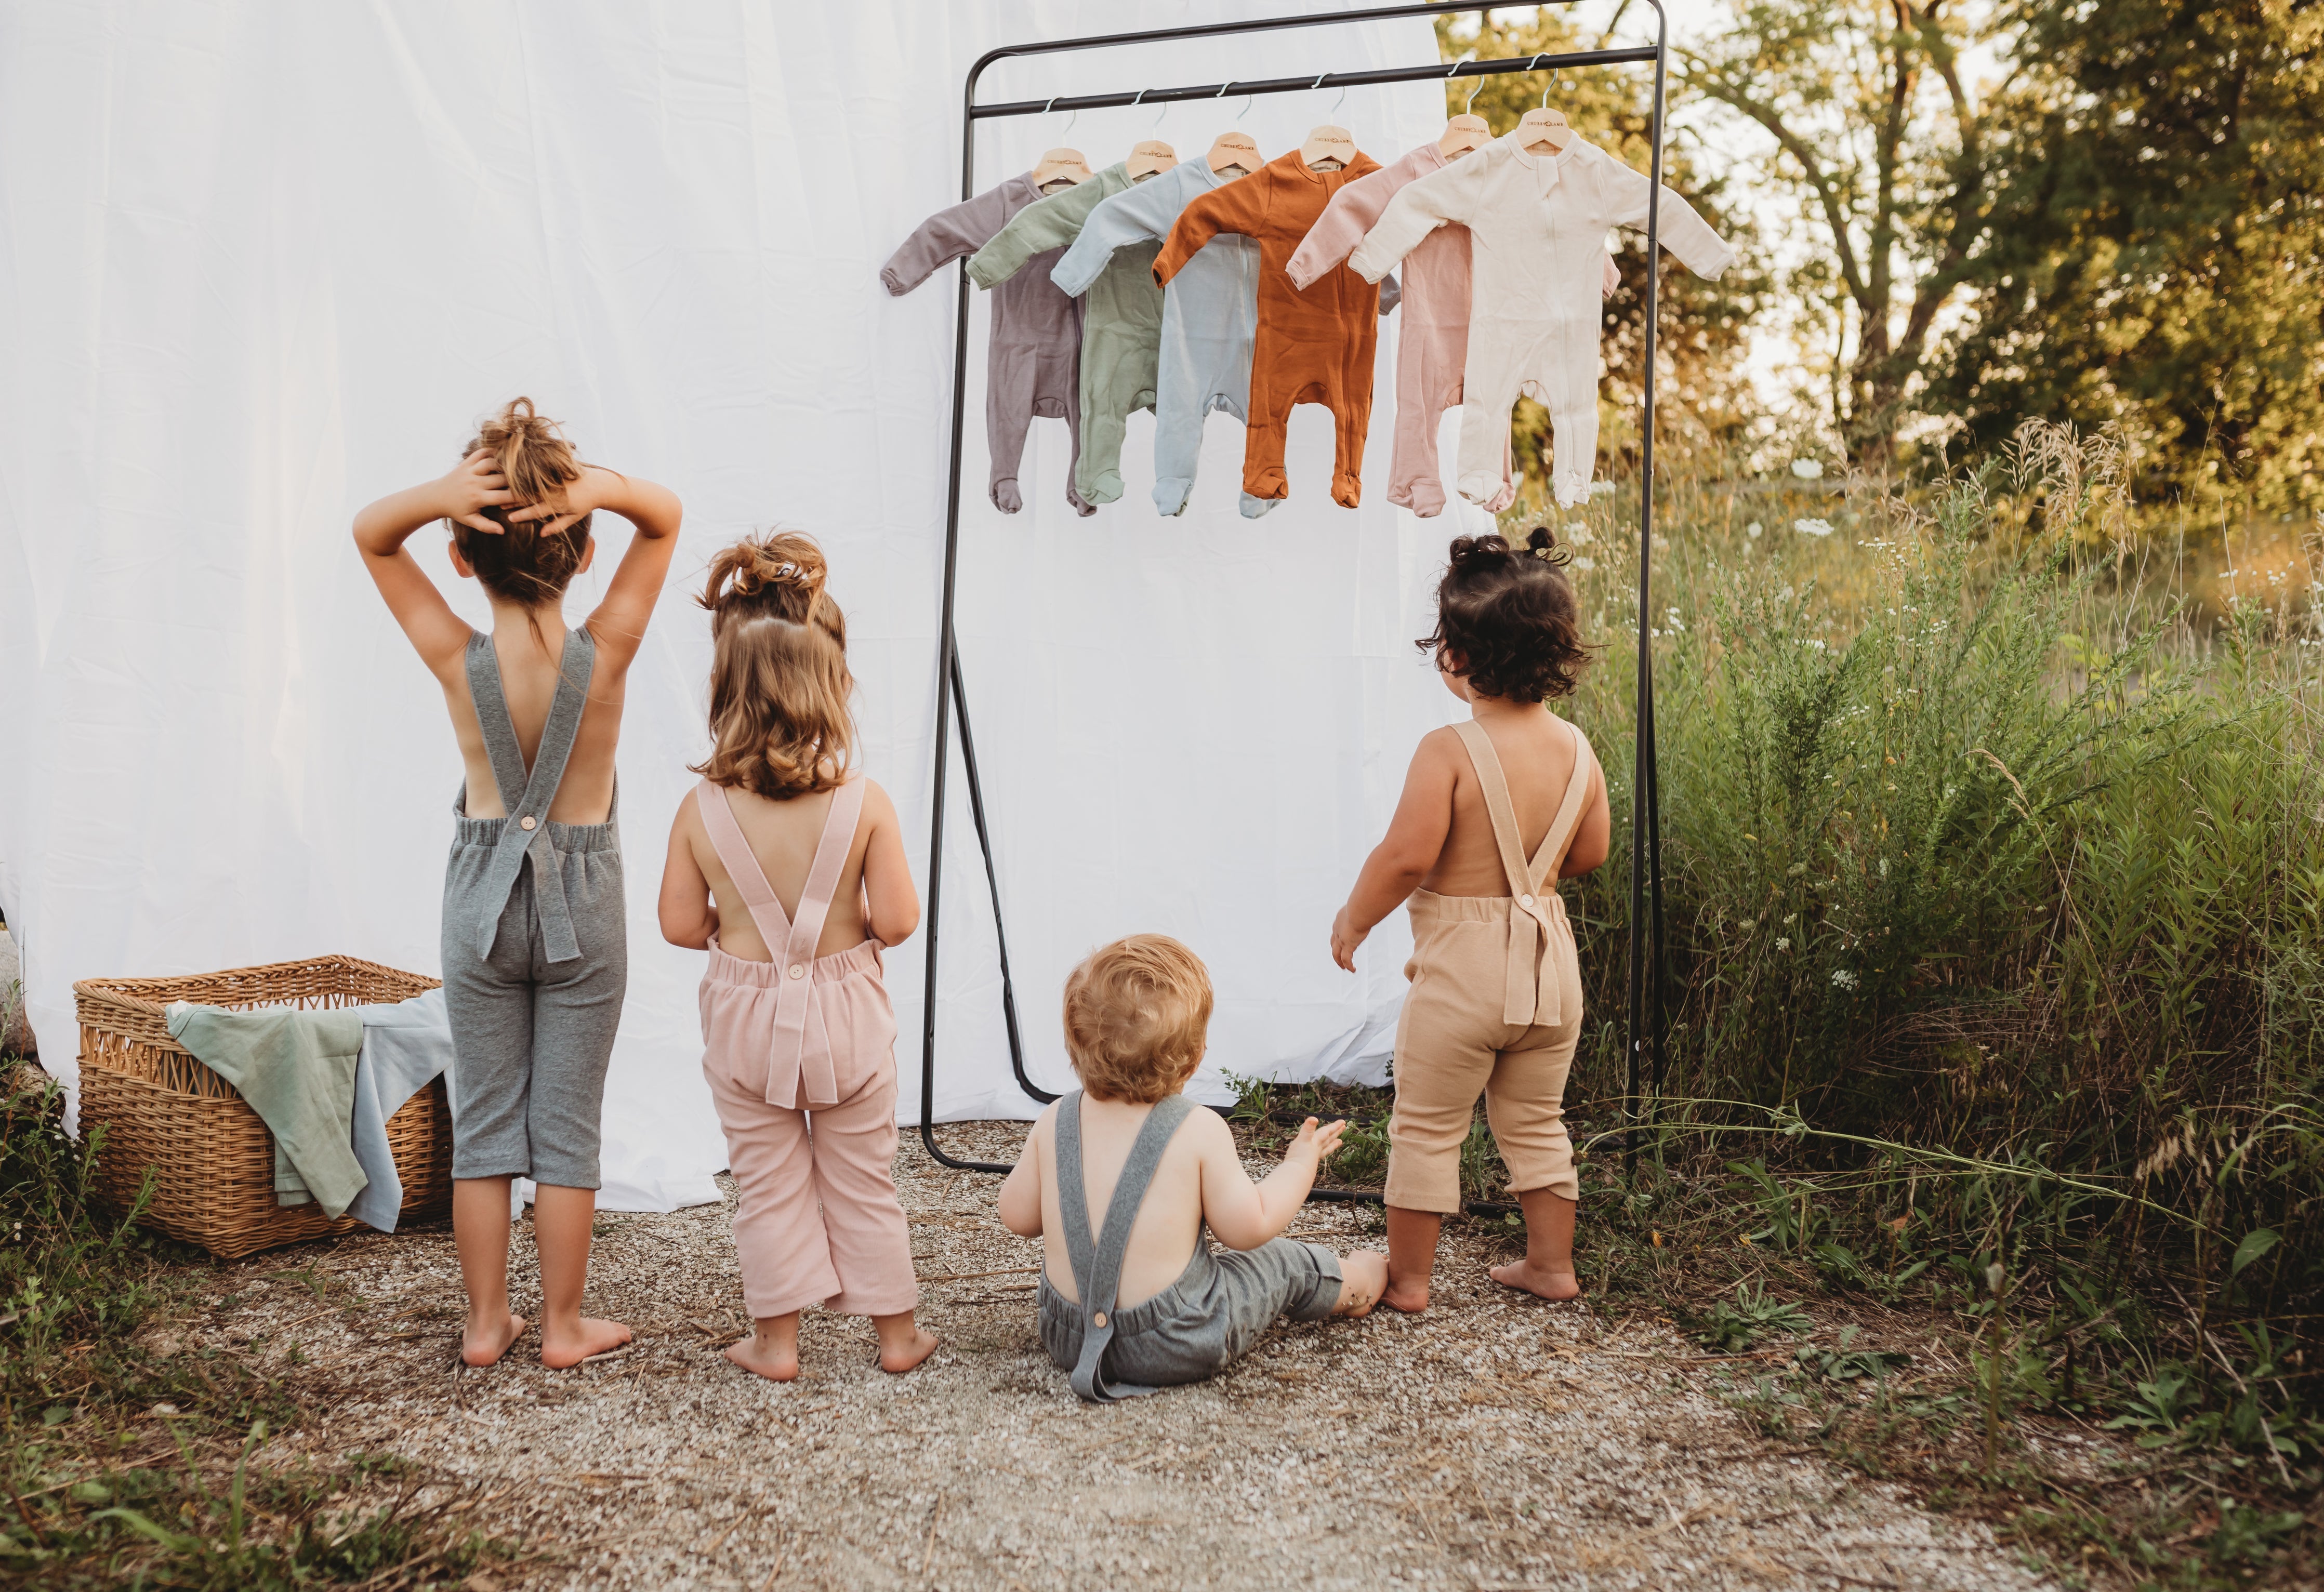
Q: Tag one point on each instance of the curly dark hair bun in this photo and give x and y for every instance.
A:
(1505, 618)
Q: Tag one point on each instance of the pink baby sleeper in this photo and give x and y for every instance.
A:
(800, 1053)
(1432, 349)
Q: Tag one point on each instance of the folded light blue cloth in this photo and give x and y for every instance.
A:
(405, 1046)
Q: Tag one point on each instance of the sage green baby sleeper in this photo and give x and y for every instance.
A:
(1121, 321)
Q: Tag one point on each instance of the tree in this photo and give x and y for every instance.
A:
(2157, 251)
(1886, 146)
(1702, 336)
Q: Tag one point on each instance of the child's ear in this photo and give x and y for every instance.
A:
(466, 571)
(588, 555)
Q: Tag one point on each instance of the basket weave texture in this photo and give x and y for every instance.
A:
(213, 1159)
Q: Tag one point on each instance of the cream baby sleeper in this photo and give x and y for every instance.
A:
(1537, 228)
(1431, 351)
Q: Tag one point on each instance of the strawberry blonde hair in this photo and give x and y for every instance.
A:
(1137, 1015)
(780, 721)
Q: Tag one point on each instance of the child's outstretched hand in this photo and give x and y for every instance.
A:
(596, 489)
(1313, 1143)
(475, 482)
(1345, 938)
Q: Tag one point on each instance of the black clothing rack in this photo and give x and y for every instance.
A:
(1646, 985)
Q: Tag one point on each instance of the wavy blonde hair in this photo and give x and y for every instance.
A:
(781, 725)
(1138, 1018)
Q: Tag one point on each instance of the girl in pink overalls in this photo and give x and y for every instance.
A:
(799, 1039)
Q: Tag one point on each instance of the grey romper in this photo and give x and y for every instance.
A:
(536, 949)
(1213, 1312)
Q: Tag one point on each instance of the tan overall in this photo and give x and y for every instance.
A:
(1496, 1007)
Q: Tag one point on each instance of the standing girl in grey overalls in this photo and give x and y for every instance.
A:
(536, 956)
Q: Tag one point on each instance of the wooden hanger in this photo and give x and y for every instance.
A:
(1235, 151)
(1542, 128)
(1149, 157)
(1462, 133)
(1061, 166)
(1328, 146)
(1542, 125)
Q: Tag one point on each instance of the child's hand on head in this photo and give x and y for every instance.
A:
(1314, 1142)
(596, 489)
(1345, 938)
(475, 482)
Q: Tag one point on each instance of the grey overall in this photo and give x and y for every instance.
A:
(536, 949)
(1214, 1312)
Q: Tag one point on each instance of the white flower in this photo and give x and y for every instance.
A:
(1841, 978)
(1601, 489)
(1812, 527)
(1808, 469)
(1578, 534)
(1883, 862)
(1670, 618)
(1585, 563)
(1814, 641)
(1785, 943)
(1753, 529)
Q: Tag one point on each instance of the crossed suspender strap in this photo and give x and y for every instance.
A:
(1537, 922)
(1097, 1267)
(800, 1071)
(526, 799)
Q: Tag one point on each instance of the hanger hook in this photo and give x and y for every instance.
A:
(1546, 87)
(1245, 111)
(1470, 106)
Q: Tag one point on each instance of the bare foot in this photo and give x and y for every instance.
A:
(775, 1361)
(898, 1360)
(1525, 1276)
(1411, 1297)
(589, 1336)
(1363, 1274)
(481, 1348)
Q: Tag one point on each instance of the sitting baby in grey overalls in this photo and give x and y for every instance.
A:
(1144, 1303)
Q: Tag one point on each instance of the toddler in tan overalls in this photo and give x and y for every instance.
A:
(1494, 811)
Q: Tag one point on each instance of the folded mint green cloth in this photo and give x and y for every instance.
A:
(296, 1070)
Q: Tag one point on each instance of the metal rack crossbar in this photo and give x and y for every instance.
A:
(1644, 1045)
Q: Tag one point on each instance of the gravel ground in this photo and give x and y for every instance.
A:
(1494, 1442)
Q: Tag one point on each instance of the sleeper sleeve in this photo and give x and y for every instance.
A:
(1353, 211)
(1240, 206)
(1135, 214)
(943, 238)
(1681, 231)
(1047, 224)
(1419, 209)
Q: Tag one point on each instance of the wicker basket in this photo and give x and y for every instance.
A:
(213, 1159)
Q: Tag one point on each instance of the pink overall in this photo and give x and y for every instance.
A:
(800, 1052)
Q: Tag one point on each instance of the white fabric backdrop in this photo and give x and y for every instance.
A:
(262, 263)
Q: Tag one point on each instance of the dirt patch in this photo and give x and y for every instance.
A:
(1494, 1442)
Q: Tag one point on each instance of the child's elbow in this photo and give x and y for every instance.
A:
(895, 927)
(691, 933)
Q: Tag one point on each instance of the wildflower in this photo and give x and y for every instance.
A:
(1601, 489)
(1585, 563)
(1785, 943)
(1841, 978)
(1883, 862)
(1812, 527)
(1655, 1238)
(1814, 641)
(1753, 529)
(1808, 469)
(1672, 619)
(1578, 534)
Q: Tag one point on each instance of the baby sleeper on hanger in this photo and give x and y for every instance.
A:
(1210, 313)
(1121, 318)
(1310, 347)
(1033, 365)
(1432, 348)
(1538, 225)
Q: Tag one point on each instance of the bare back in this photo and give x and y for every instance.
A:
(1169, 1223)
(1537, 752)
(782, 836)
(528, 675)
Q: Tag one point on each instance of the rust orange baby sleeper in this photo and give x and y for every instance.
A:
(1314, 346)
